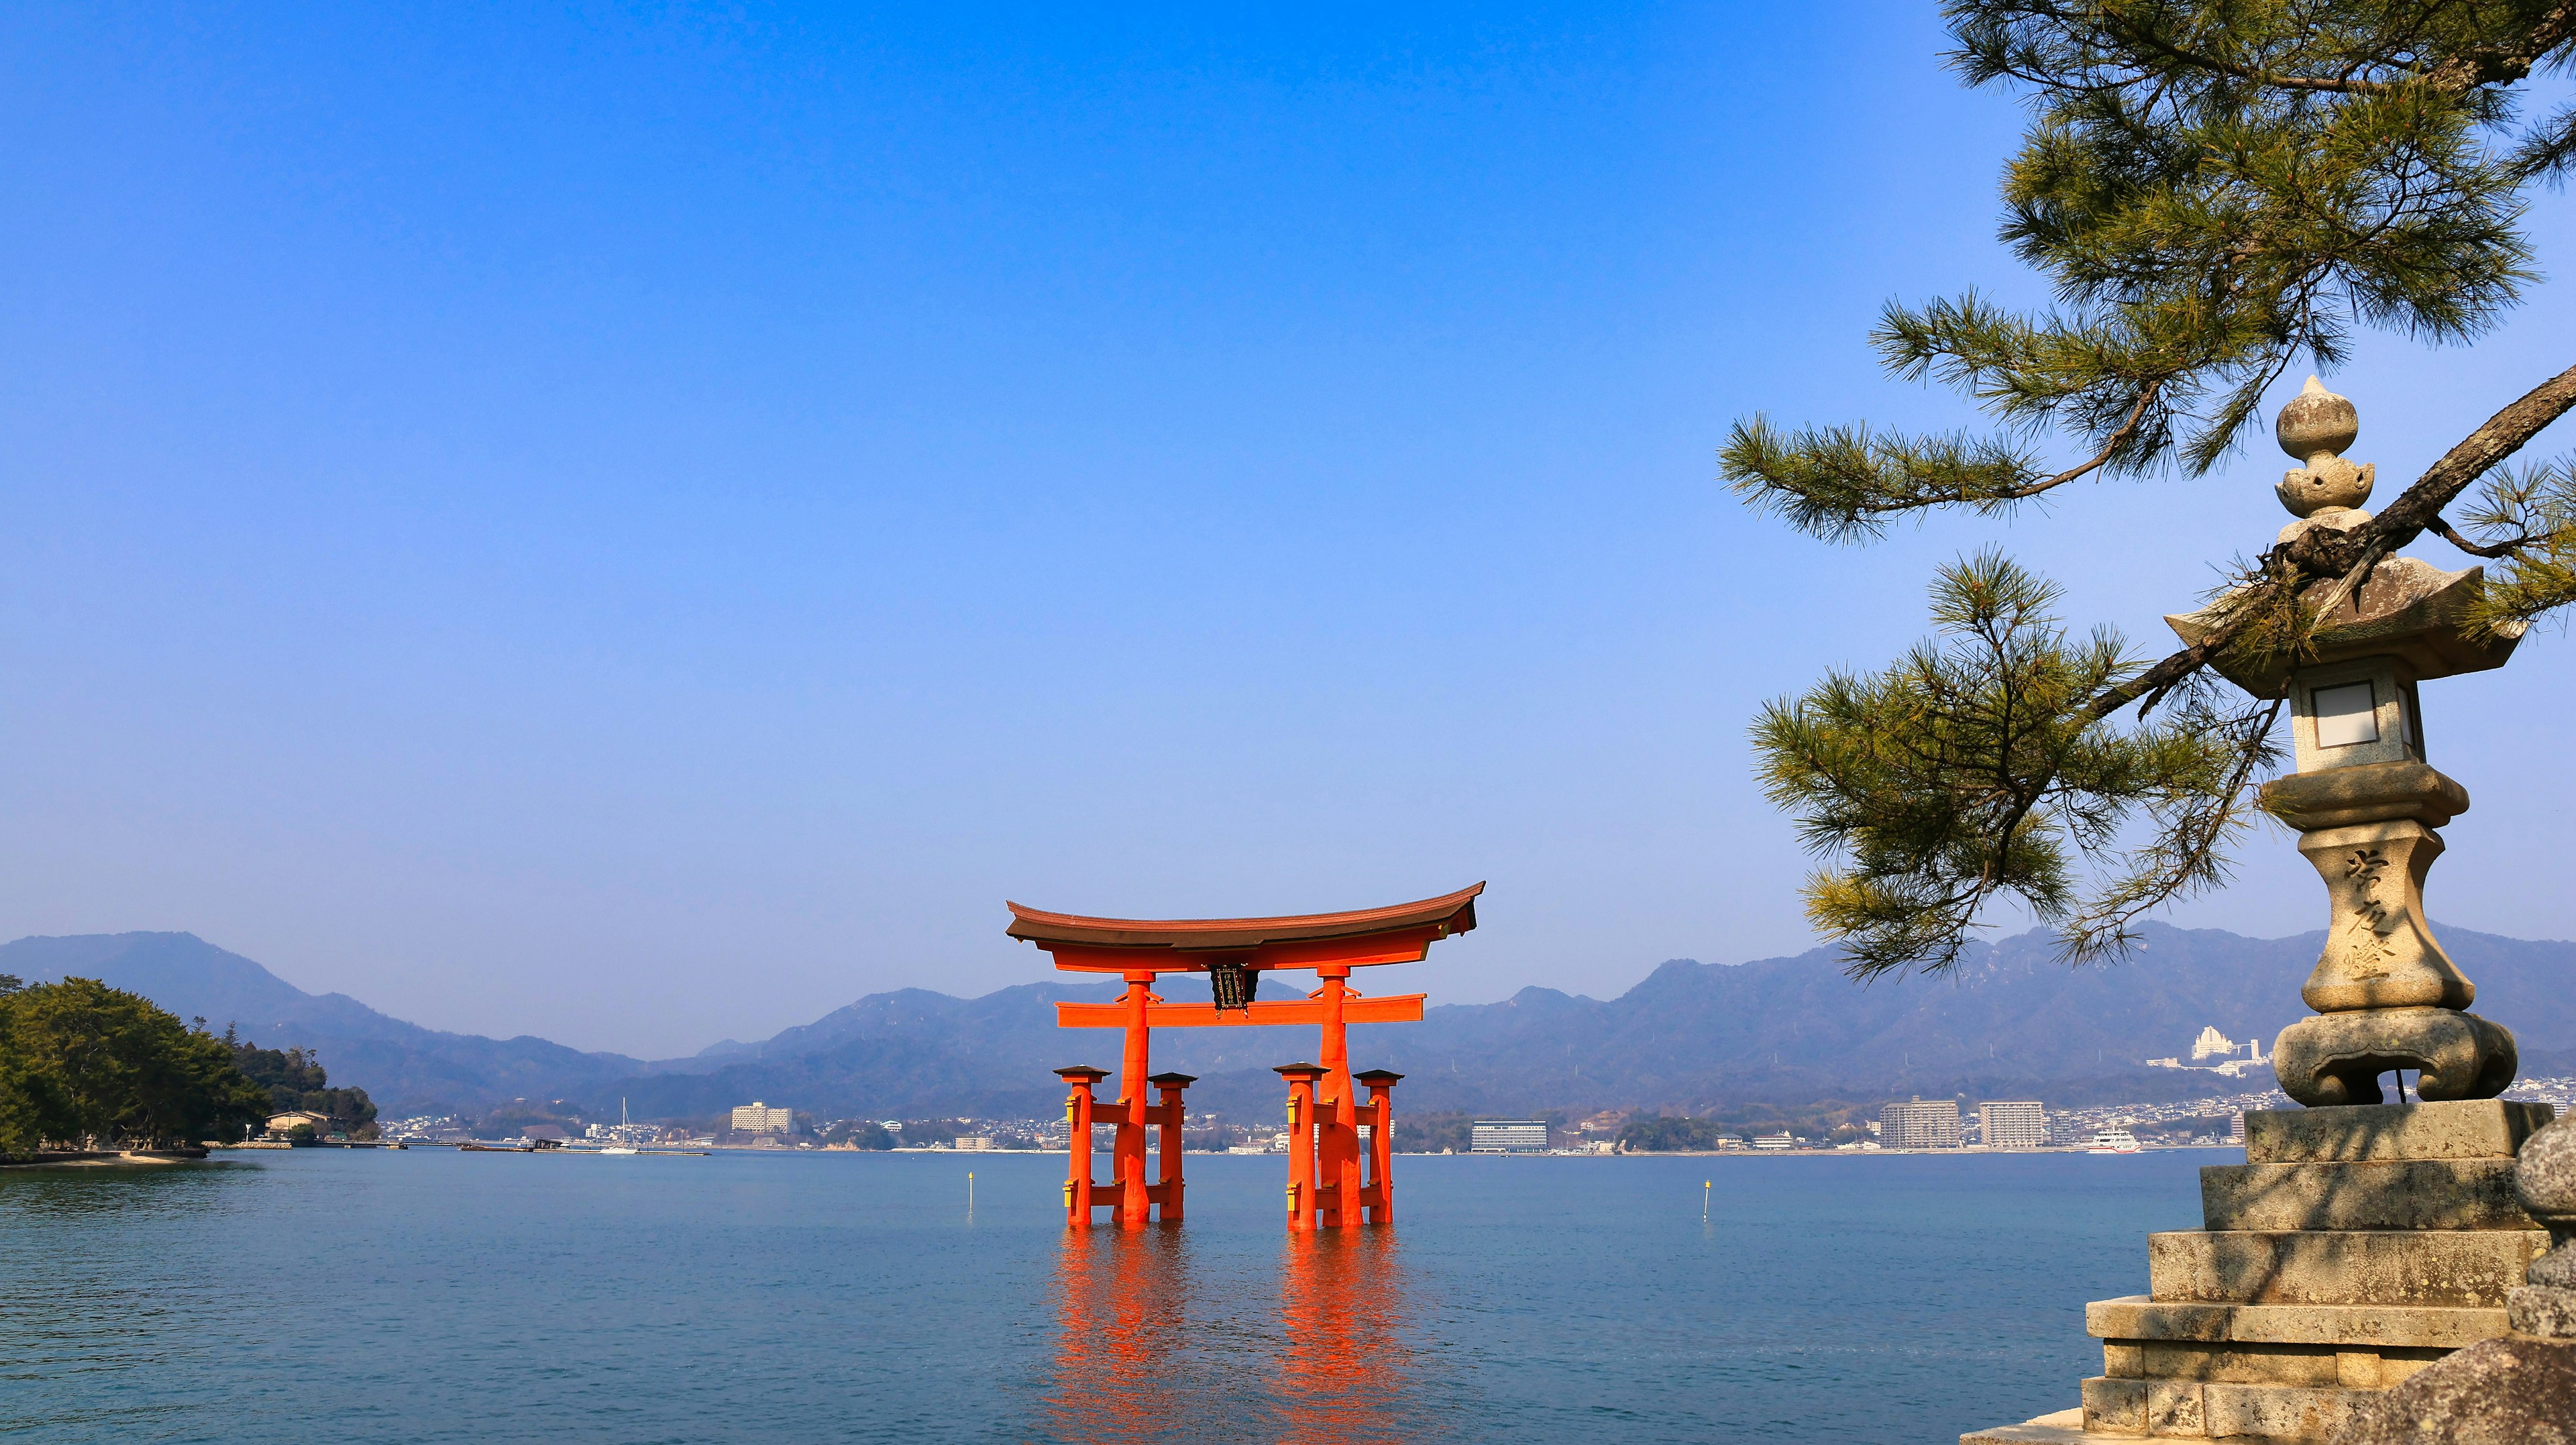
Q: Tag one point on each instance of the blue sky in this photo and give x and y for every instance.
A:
(641, 525)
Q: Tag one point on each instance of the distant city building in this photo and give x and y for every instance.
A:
(1508, 1136)
(758, 1118)
(1782, 1140)
(2012, 1123)
(2236, 1127)
(974, 1141)
(2211, 1041)
(1921, 1124)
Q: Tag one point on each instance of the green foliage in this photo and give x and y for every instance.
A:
(1665, 1134)
(2215, 191)
(2536, 507)
(1833, 1120)
(80, 1060)
(858, 1134)
(295, 1079)
(1433, 1133)
(1968, 770)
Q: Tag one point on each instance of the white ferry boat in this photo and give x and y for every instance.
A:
(2112, 1141)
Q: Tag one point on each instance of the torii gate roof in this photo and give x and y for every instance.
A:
(1451, 913)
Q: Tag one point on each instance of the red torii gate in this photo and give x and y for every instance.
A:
(1327, 1186)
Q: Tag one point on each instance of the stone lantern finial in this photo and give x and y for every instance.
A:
(2328, 492)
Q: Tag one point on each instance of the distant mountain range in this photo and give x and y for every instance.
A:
(1690, 1037)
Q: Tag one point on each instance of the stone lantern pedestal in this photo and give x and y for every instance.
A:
(2362, 1241)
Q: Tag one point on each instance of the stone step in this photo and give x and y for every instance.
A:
(2066, 1427)
(2434, 1327)
(2451, 1129)
(2471, 1267)
(2315, 1367)
(2194, 1409)
(2373, 1194)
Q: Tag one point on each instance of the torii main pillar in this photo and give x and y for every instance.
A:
(1332, 1185)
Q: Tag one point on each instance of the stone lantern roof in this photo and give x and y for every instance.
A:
(2406, 609)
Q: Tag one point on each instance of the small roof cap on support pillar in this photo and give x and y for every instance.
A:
(1082, 1073)
(1291, 1071)
(1377, 1076)
(1171, 1081)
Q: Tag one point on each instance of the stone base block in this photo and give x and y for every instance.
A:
(2204, 1410)
(2373, 1194)
(2314, 1367)
(2341, 1267)
(2456, 1129)
(2139, 1319)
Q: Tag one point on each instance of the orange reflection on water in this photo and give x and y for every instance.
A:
(1122, 1298)
(1154, 1346)
(1345, 1372)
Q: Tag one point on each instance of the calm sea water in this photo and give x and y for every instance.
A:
(432, 1296)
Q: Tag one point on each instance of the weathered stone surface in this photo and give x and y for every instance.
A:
(2115, 1406)
(2277, 1411)
(2341, 1267)
(2137, 1318)
(2313, 1366)
(2543, 1311)
(2546, 1180)
(2377, 1194)
(2512, 1391)
(2066, 1427)
(2336, 1059)
(2549, 1172)
(2452, 1129)
(2368, 793)
(2194, 1409)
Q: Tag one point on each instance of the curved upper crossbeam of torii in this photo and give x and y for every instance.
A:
(1332, 944)
(1234, 953)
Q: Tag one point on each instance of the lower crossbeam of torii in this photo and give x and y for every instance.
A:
(1332, 1182)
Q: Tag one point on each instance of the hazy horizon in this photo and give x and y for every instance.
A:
(663, 523)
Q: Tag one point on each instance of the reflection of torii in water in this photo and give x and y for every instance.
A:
(1327, 1185)
(1151, 1344)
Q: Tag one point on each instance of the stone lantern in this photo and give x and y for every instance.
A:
(2368, 1257)
(2365, 800)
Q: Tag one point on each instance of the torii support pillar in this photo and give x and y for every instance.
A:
(1168, 1118)
(1379, 1115)
(1303, 1205)
(1078, 1108)
(1126, 1190)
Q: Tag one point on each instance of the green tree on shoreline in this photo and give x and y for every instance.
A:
(295, 1079)
(2218, 191)
(81, 1061)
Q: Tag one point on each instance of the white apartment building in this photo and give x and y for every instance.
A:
(758, 1118)
(1507, 1136)
(1922, 1124)
(2013, 1123)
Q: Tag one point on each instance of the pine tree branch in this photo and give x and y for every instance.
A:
(2505, 548)
(2321, 552)
(2490, 64)
(2342, 86)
